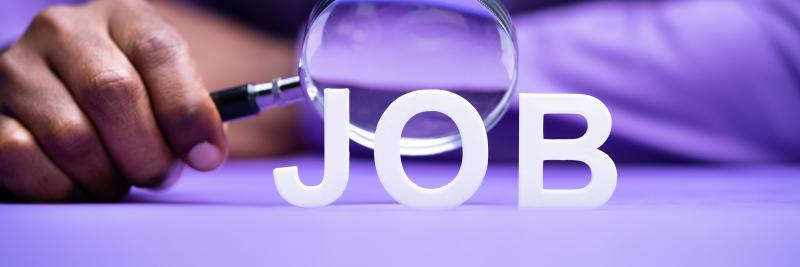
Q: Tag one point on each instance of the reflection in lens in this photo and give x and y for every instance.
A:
(381, 50)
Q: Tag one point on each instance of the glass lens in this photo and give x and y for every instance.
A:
(382, 49)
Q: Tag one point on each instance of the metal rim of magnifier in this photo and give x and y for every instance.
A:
(417, 146)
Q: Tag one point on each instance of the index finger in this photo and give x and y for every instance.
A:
(181, 104)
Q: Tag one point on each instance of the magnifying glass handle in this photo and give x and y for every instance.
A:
(249, 99)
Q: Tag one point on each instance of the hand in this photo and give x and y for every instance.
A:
(100, 97)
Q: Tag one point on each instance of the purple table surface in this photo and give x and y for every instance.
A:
(659, 216)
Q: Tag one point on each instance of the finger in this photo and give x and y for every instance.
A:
(181, 103)
(25, 170)
(108, 90)
(60, 127)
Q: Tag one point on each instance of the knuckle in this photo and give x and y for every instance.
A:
(15, 76)
(158, 47)
(17, 145)
(13, 139)
(52, 19)
(107, 91)
(9, 67)
(182, 114)
(69, 138)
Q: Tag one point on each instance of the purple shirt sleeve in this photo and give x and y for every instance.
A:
(699, 81)
(709, 81)
(686, 81)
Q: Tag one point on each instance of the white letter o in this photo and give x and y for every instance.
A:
(475, 149)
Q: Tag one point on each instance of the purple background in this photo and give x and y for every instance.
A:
(659, 216)
(685, 80)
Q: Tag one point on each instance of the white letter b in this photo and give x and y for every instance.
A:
(534, 150)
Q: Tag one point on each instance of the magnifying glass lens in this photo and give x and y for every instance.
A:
(381, 50)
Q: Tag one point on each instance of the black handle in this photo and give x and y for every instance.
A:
(236, 102)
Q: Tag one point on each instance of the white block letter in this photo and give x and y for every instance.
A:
(387, 149)
(534, 150)
(337, 158)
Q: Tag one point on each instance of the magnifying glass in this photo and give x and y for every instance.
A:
(382, 49)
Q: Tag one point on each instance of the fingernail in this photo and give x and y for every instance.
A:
(204, 157)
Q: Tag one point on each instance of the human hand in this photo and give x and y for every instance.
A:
(100, 97)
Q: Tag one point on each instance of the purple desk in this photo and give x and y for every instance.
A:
(659, 216)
